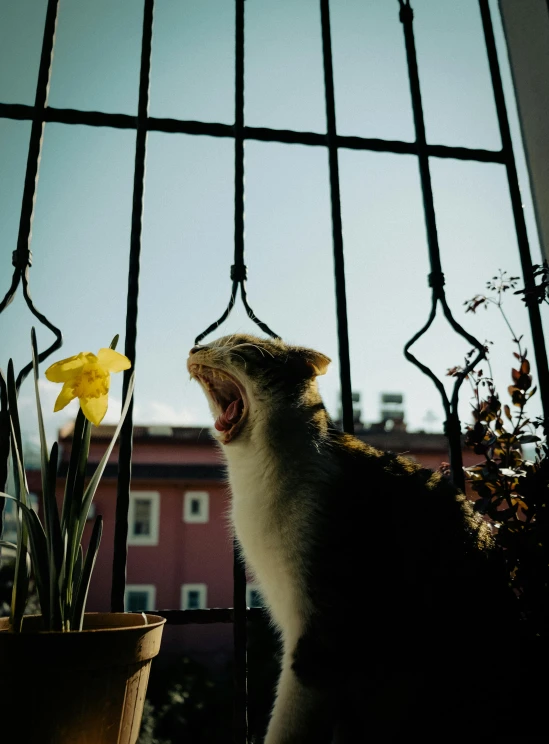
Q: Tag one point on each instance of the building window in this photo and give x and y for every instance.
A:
(196, 506)
(143, 518)
(140, 598)
(253, 596)
(193, 597)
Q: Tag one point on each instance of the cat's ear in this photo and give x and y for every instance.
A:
(315, 363)
(319, 362)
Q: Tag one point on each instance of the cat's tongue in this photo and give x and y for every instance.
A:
(230, 416)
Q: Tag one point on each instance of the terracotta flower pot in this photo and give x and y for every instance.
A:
(77, 688)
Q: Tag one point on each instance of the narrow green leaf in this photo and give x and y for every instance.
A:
(55, 541)
(73, 466)
(51, 514)
(114, 342)
(21, 579)
(73, 514)
(6, 544)
(94, 482)
(12, 404)
(78, 564)
(61, 581)
(42, 432)
(17, 445)
(84, 583)
(80, 477)
(20, 590)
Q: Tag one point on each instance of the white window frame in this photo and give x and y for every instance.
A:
(249, 589)
(154, 498)
(203, 591)
(204, 498)
(150, 590)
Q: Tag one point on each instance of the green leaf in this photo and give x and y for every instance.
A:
(55, 539)
(61, 581)
(55, 542)
(94, 482)
(73, 466)
(6, 544)
(74, 512)
(85, 576)
(17, 445)
(12, 403)
(43, 443)
(528, 439)
(20, 590)
(77, 570)
(114, 342)
(51, 514)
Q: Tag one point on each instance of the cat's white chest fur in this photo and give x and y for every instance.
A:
(269, 531)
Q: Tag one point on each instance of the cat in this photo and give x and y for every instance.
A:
(376, 572)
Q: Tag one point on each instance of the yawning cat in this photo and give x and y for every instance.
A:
(376, 572)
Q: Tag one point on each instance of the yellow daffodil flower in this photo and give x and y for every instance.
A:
(87, 377)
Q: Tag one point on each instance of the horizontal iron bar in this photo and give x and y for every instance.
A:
(206, 617)
(262, 134)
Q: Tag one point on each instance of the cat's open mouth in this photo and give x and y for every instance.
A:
(228, 397)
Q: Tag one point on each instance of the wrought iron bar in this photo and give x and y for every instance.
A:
(540, 350)
(337, 231)
(126, 434)
(452, 426)
(239, 271)
(238, 276)
(261, 134)
(240, 650)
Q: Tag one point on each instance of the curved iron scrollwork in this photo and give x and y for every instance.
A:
(239, 275)
(20, 275)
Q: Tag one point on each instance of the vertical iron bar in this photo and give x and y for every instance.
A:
(538, 338)
(452, 426)
(240, 694)
(239, 144)
(126, 434)
(36, 137)
(337, 232)
(406, 16)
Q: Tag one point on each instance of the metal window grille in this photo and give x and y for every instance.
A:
(41, 113)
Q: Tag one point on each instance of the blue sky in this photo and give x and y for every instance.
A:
(83, 207)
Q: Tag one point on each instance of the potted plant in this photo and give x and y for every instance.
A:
(81, 677)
